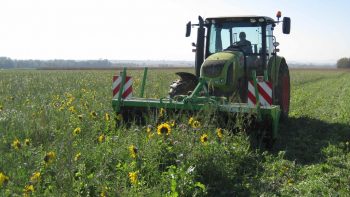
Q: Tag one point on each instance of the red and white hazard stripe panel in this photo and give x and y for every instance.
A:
(127, 89)
(265, 93)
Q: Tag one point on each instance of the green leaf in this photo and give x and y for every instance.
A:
(200, 185)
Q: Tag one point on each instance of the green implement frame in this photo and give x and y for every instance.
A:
(199, 100)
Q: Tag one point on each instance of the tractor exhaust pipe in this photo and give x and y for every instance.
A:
(199, 47)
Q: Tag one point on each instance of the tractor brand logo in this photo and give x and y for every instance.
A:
(127, 88)
(264, 91)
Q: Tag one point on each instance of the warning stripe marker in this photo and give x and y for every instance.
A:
(127, 89)
(264, 90)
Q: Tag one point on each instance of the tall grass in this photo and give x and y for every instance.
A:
(58, 137)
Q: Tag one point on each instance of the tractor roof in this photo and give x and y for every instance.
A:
(240, 19)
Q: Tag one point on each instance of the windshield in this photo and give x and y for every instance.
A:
(224, 35)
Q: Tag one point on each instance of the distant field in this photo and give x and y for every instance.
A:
(114, 68)
(58, 137)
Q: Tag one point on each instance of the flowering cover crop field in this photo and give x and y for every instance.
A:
(59, 137)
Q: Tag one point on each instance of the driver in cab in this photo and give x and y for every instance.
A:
(244, 44)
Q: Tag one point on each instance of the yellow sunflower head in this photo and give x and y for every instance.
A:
(16, 144)
(133, 151)
(133, 177)
(93, 114)
(28, 189)
(50, 157)
(219, 133)
(101, 138)
(35, 177)
(196, 124)
(104, 192)
(149, 131)
(80, 116)
(204, 138)
(3, 179)
(72, 109)
(107, 117)
(76, 131)
(164, 129)
(77, 156)
(190, 121)
(27, 142)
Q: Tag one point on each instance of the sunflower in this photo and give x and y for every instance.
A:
(133, 151)
(3, 179)
(196, 124)
(86, 105)
(16, 144)
(93, 114)
(107, 117)
(104, 192)
(35, 177)
(77, 156)
(190, 121)
(76, 131)
(164, 129)
(49, 157)
(80, 117)
(28, 189)
(72, 109)
(219, 132)
(101, 138)
(204, 138)
(133, 177)
(149, 129)
(27, 142)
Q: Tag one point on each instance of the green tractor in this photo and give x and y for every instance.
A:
(237, 72)
(225, 62)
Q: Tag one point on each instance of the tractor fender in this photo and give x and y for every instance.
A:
(273, 68)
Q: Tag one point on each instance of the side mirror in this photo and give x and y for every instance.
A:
(188, 29)
(286, 25)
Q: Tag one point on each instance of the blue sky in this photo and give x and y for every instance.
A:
(154, 29)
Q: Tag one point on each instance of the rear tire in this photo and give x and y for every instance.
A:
(283, 90)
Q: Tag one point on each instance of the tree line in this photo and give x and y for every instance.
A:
(6, 62)
(343, 63)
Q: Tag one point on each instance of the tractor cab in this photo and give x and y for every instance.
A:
(252, 36)
(223, 34)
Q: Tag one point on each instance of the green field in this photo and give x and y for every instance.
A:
(58, 137)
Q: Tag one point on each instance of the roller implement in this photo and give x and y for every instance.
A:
(237, 73)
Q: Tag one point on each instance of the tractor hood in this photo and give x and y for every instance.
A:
(223, 69)
(216, 65)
